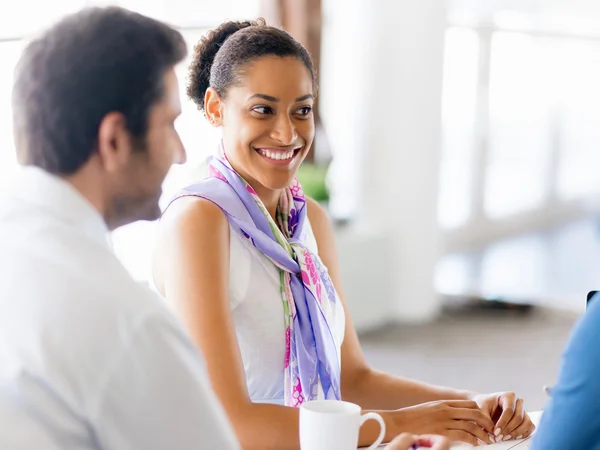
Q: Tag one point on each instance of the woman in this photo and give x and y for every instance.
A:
(248, 263)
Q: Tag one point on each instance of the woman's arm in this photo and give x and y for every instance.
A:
(361, 384)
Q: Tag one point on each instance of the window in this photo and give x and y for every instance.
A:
(541, 123)
(579, 112)
(24, 17)
(521, 104)
(461, 63)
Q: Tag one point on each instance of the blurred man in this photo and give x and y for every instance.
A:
(90, 359)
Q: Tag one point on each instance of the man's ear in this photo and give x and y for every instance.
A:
(213, 107)
(115, 143)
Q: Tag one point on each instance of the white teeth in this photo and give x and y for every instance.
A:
(277, 156)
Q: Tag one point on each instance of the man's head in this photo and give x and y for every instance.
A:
(94, 101)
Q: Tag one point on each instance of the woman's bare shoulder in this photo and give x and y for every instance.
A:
(192, 213)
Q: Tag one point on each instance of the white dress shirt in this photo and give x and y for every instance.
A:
(89, 358)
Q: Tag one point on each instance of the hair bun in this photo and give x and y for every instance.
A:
(204, 56)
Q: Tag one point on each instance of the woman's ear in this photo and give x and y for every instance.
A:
(212, 107)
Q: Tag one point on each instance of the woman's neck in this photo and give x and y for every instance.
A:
(270, 199)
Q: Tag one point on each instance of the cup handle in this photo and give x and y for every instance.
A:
(377, 417)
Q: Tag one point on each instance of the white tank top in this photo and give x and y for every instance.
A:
(257, 310)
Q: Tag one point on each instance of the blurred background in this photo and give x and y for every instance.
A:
(457, 154)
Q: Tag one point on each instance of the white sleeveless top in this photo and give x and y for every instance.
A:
(258, 316)
(257, 310)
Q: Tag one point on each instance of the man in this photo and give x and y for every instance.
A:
(90, 359)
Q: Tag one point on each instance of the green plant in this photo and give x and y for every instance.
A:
(312, 178)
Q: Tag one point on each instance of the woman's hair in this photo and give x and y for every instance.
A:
(220, 57)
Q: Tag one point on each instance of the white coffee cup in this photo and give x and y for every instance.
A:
(334, 425)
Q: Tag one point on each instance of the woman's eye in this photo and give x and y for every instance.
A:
(262, 109)
(305, 111)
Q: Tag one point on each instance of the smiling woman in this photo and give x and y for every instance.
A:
(248, 263)
(257, 85)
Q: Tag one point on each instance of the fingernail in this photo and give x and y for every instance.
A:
(499, 438)
(520, 437)
(497, 431)
(492, 440)
(506, 438)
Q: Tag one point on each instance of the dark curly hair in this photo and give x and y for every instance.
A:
(220, 56)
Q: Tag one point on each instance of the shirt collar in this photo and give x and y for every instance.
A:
(60, 199)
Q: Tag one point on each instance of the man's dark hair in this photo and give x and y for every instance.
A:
(91, 63)
(220, 57)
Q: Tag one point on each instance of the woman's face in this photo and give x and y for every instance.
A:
(267, 121)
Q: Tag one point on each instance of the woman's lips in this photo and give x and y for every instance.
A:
(278, 156)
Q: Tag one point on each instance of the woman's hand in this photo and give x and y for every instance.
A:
(507, 412)
(408, 441)
(459, 420)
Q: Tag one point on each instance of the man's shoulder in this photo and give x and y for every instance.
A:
(93, 298)
(66, 319)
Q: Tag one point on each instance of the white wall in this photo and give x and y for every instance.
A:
(381, 80)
